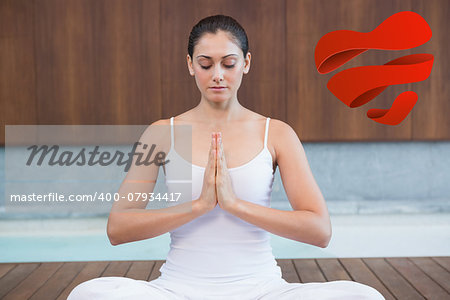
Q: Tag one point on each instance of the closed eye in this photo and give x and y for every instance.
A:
(226, 66)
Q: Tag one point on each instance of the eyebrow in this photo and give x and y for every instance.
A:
(209, 57)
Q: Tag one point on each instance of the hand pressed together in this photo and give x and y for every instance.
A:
(217, 187)
(225, 194)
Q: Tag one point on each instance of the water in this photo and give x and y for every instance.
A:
(353, 236)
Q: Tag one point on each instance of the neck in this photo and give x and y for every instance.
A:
(219, 112)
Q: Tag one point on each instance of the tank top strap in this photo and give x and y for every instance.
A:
(266, 132)
(172, 138)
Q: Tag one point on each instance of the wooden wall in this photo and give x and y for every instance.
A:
(123, 62)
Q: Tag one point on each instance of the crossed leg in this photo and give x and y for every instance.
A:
(332, 290)
(110, 288)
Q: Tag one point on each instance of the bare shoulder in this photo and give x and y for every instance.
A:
(185, 117)
(157, 133)
(253, 116)
(278, 127)
(161, 122)
(281, 135)
(156, 127)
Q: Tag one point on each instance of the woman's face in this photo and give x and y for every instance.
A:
(218, 62)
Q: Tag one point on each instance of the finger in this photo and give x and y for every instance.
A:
(211, 148)
(219, 155)
(222, 154)
(214, 162)
(211, 159)
(215, 145)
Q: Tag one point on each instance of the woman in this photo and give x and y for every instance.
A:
(220, 245)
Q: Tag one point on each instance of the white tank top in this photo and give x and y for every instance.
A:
(217, 246)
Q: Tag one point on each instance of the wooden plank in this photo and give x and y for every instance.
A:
(98, 62)
(430, 114)
(17, 65)
(395, 278)
(34, 281)
(288, 270)
(91, 270)
(359, 271)
(85, 62)
(117, 268)
(308, 270)
(424, 284)
(140, 270)
(433, 270)
(155, 272)
(443, 261)
(15, 276)
(59, 281)
(392, 279)
(5, 268)
(317, 115)
(332, 269)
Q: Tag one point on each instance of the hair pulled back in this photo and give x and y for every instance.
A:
(213, 24)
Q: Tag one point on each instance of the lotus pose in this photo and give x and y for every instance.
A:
(220, 246)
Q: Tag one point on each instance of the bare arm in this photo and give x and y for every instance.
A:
(130, 220)
(309, 222)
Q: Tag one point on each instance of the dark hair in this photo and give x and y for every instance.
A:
(212, 24)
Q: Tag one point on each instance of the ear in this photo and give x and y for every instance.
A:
(189, 63)
(247, 63)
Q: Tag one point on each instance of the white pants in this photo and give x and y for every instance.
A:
(110, 288)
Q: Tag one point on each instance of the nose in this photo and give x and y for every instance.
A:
(218, 74)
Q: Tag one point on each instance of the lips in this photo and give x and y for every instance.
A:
(218, 87)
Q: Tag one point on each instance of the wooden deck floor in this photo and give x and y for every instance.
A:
(396, 278)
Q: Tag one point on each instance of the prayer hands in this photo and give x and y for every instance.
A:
(208, 196)
(225, 194)
(217, 187)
